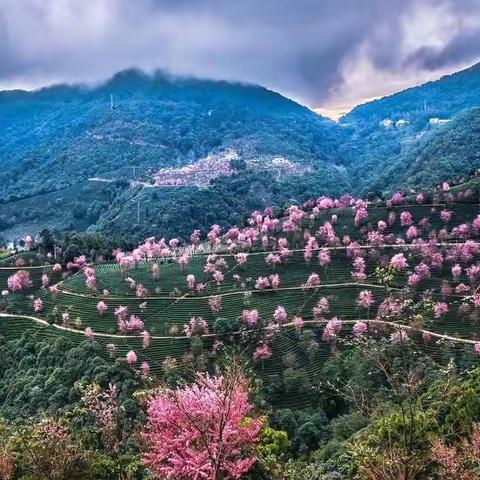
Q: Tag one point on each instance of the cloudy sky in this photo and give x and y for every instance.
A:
(327, 54)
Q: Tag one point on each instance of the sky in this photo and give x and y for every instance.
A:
(327, 54)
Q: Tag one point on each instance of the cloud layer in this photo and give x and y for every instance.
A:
(322, 52)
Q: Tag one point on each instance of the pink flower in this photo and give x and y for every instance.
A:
(313, 281)
(135, 323)
(440, 309)
(274, 281)
(381, 225)
(53, 290)
(397, 198)
(298, 324)
(412, 232)
(215, 303)
(140, 291)
(131, 357)
(273, 259)
(45, 280)
(183, 260)
(360, 215)
(476, 347)
(391, 218)
(191, 281)
(102, 307)
(406, 219)
(57, 268)
(91, 282)
(89, 333)
(324, 257)
(399, 261)
(195, 237)
(250, 317)
(19, 281)
(332, 329)
(446, 215)
(196, 326)
(423, 270)
(365, 299)
(217, 406)
(322, 307)
(218, 277)
(420, 198)
(89, 272)
(413, 279)
(121, 313)
(262, 283)
(359, 329)
(38, 305)
(145, 368)
(145, 339)
(280, 314)
(262, 353)
(241, 258)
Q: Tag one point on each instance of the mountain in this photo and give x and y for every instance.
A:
(143, 155)
(122, 132)
(410, 131)
(447, 152)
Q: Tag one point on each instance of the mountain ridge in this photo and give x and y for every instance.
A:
(134, 125)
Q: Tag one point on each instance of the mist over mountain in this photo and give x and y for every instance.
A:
(187, 152)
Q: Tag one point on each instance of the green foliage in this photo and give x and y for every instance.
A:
(306, 429)
(273, 442)
(226, 325)
(463, 410)
(157, 122)
(39, 376)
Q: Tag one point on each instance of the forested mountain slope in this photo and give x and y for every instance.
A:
(122, 132)
(401, 131)
(141, 154)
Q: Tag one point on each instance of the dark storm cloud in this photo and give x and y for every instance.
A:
(299, 47)
(465, 47)
(460, 48)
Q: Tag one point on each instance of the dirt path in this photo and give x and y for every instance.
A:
(212, 335)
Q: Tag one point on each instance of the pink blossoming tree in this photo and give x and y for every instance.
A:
(202, 431)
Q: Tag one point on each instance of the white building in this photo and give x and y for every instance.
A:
(401, 123)
(438, 121)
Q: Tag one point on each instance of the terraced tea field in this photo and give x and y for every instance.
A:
(426, 297)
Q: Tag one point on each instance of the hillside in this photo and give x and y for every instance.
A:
(141, 154)
(54, 140)
(347, 245)
(451, 151)
(396, 134)
(342, 312)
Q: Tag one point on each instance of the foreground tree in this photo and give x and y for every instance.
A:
(202, 431)
(44, 451)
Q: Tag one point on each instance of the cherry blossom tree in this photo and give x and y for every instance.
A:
(202, 431)
(19, 281)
